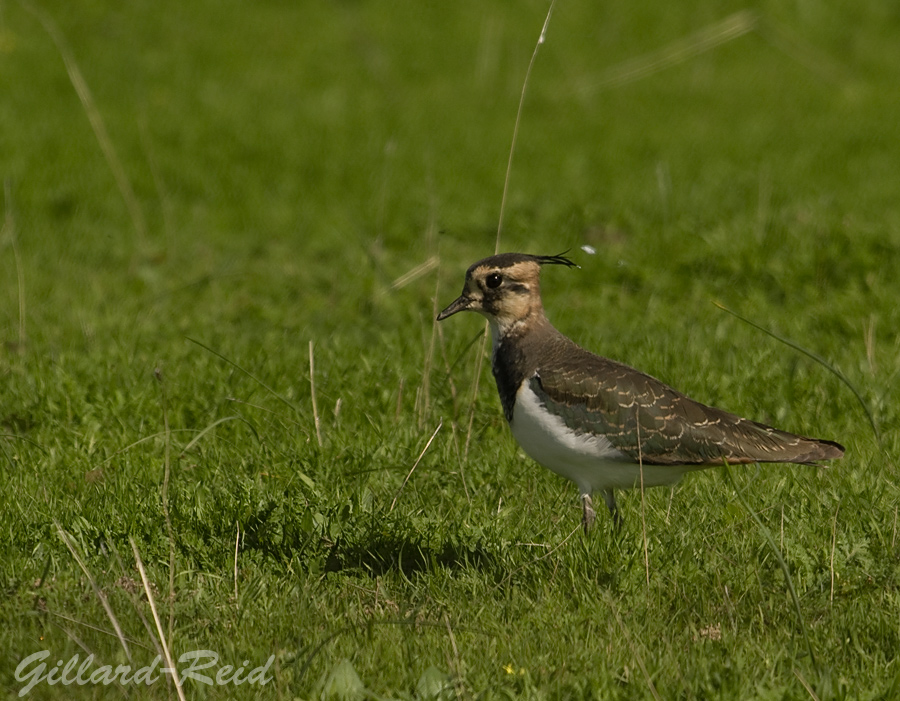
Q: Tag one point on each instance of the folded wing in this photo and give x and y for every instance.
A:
(649, 421)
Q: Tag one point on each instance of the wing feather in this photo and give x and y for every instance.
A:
(598, 395)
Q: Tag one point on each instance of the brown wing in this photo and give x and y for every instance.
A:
(648, 420)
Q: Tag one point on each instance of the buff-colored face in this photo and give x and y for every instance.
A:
(505, 294)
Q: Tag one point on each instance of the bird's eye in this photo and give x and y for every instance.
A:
(493, 280)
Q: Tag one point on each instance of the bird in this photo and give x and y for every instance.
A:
(598, 422)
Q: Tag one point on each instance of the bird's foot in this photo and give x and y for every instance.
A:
(610, 500)
(588, 513)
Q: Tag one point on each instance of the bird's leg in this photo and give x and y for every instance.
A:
(610, 500)
(588, 513)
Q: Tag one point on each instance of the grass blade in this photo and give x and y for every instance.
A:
(67, 540)
(312, 391)
(416, 464)
(512, 146)
(817, 358)
(170, 663)
(247, 373)
(94, 117)
(196, 439)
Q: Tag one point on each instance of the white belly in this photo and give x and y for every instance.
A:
(589, 460)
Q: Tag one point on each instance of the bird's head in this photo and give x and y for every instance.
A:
(504, 288)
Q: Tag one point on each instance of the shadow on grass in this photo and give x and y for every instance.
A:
(353, 538)
(341, 538)
(409, 553)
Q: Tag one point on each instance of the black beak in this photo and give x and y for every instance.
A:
(460, 304)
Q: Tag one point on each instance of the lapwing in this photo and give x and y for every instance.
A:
(600, 423)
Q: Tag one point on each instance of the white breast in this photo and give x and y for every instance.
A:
(589, 460)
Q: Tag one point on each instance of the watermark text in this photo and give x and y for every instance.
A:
(202, 666)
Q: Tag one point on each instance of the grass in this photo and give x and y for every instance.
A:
(242, 389)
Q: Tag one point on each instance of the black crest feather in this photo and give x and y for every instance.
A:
(504, 260)
(559, 259)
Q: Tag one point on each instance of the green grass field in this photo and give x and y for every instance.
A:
(194, 193)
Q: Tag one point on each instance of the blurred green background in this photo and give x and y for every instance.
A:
(258, 176)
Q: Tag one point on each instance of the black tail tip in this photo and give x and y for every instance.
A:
(822, 449)
(831, 449)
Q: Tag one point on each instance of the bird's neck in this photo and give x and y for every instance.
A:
(508, 327)
(514, 359)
